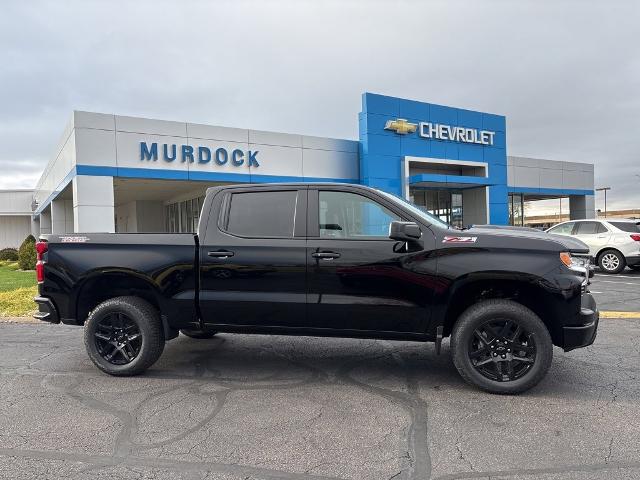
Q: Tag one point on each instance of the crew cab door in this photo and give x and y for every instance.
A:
(253, 258)
(358, 278)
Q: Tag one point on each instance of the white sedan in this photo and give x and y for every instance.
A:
(613, 243)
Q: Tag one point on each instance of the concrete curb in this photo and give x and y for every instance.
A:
(19, 320)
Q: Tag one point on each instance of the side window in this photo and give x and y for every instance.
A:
(602, 228)
(564, 229)
(262, 214)
(587, 228)
(349, 215)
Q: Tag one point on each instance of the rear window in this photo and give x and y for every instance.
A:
(590, 228)
(627, 226)
(262, 214)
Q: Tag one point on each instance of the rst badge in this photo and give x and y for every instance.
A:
(448, 239)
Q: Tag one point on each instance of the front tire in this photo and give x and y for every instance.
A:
(501, 347)
(124, 336)
(611, 261)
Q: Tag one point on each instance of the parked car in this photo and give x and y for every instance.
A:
(613, 243)
(324, 260)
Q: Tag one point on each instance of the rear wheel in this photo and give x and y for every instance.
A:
(198, 334)
(501, 346)
(124, 336)
(611, 261)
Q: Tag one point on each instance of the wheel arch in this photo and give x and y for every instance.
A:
(604, 249)
(525, 290)
(101, 286)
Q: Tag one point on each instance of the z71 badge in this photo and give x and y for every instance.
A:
(459, 239)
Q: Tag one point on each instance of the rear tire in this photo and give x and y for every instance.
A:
(611, 261)
(124, 336)
(504, 364)
(198, 334)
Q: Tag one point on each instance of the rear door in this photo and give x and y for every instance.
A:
(359, 279)
(593, 233)
(253, 258)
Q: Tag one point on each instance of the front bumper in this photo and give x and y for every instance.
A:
(583, 334)
(47, 311)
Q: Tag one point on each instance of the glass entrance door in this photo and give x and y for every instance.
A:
(445, 204)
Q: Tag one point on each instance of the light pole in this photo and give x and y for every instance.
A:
(604, 189)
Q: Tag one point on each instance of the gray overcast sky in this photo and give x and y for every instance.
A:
(565, 73)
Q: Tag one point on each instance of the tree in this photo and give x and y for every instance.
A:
(27, 254)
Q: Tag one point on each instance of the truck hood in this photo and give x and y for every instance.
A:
(543, 239)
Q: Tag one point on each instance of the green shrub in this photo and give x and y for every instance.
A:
(27, 254)
(10, 254)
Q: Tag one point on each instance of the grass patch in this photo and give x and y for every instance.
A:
(18, 302)
(11, 278)
(17, 289)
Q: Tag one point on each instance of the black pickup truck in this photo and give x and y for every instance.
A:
(324, 260)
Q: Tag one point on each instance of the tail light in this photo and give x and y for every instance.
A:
(636, 237)
(41, 249)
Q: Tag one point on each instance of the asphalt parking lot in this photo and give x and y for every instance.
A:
(258, 407)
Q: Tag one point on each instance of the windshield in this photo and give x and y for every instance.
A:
(417, 210)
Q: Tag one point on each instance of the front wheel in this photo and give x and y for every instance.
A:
(611, 261)
(501, 346)
(124, 336)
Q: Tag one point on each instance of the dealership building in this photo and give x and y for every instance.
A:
(113, 173)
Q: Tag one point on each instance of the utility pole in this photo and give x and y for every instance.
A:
(604, 189)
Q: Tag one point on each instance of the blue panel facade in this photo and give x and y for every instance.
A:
(382, 151)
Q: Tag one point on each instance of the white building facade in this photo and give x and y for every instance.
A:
(115, 173)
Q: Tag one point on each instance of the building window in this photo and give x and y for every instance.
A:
(183, 217)
(445, 204)
(516, 209)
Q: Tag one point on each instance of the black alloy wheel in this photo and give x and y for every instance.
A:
(118, 339)
(124, 336)
(501, 346)
(502, 350)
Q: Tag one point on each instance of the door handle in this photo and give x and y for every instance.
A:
(221, 254)
(602, 236)
(325, 255)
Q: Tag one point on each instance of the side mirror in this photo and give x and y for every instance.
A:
(404, 231)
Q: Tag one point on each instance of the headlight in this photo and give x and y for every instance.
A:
(572, 261)
(579, 264)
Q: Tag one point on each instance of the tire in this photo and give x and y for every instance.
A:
(611, 261)
(526, 367)
(635, 268)
(124, 327)
(198, 334)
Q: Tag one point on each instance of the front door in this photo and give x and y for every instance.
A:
(358, 278)
(253, 259)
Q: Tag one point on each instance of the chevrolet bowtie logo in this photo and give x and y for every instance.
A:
(401, 126)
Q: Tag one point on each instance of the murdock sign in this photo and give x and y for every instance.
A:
(171, 152)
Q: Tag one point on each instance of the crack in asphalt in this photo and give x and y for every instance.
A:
(156, 463)
(413, 455)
